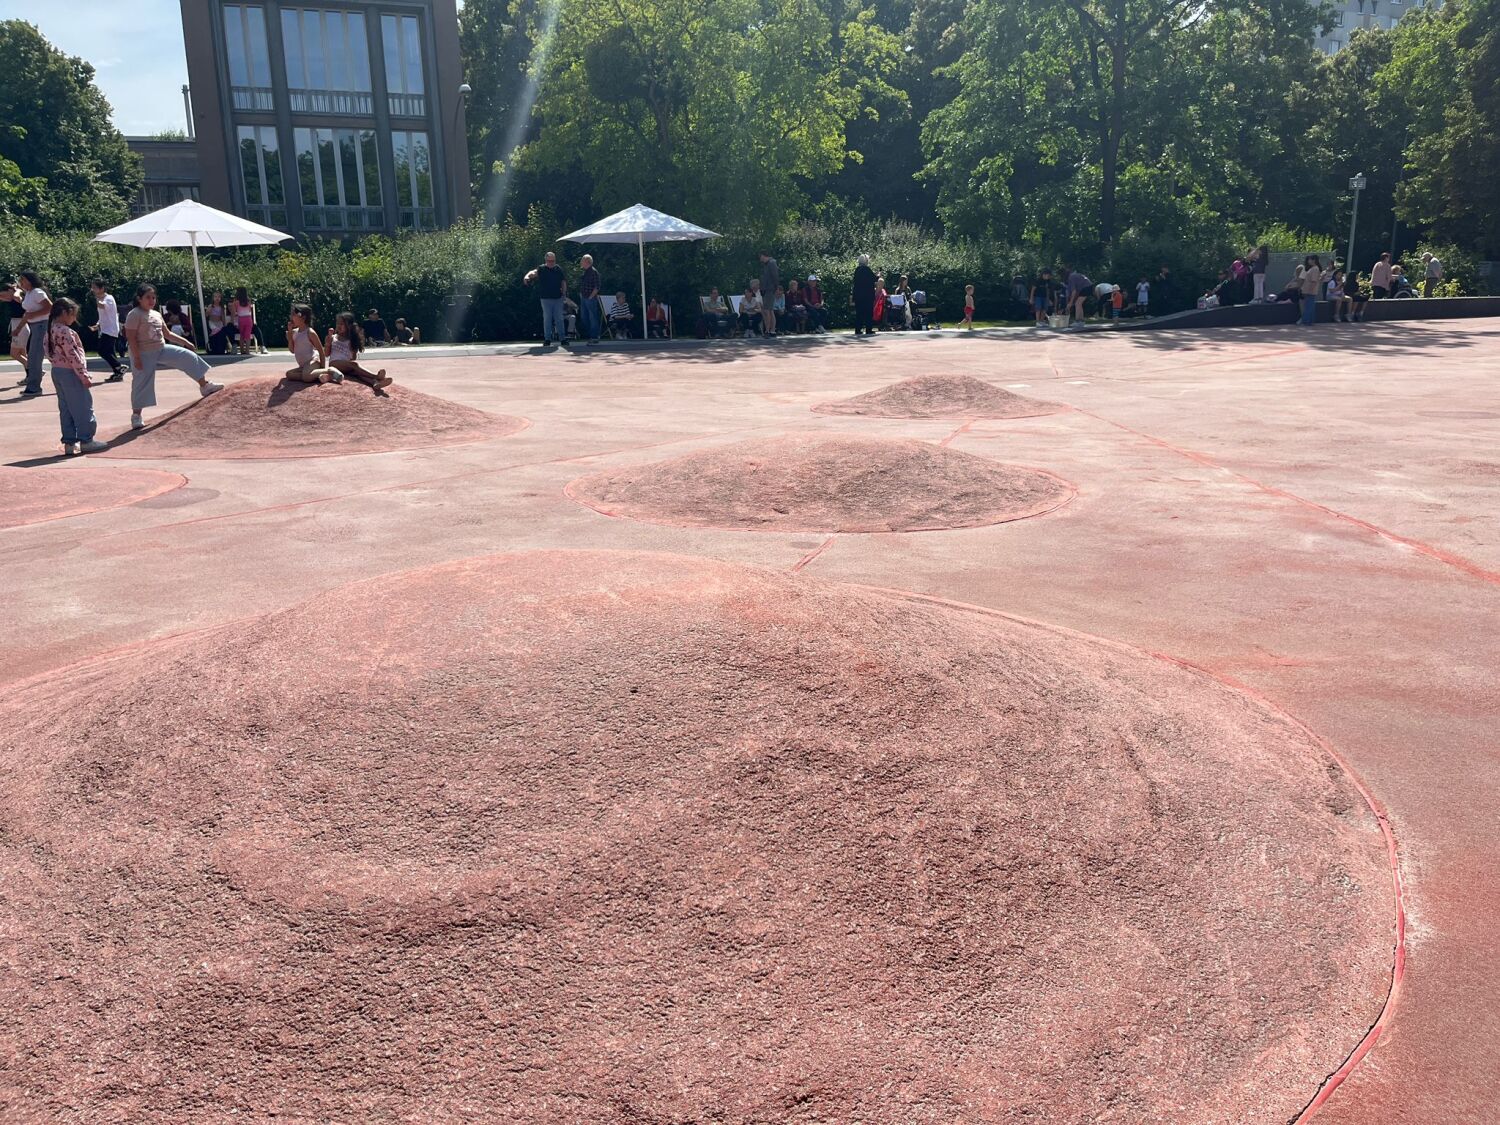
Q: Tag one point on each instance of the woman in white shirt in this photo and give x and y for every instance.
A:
(152, 345)
(36, 309)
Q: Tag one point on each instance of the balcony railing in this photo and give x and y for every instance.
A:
(408, 105)
(273, 216)
(255, 99)
(343, 218)
(419, 218)
(346, 103)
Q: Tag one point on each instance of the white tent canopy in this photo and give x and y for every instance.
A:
(190, 223)
(640, 224)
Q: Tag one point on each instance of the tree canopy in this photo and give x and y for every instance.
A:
(1060, 124)
(72, 166)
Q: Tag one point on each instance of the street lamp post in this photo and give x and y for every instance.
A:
(1357, 183)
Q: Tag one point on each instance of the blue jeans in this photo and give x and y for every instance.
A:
(75, 405)
(554, 327)
(588, 309)
(1309, 310)
(35, 349)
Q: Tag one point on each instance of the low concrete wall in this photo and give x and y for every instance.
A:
(1285, 312)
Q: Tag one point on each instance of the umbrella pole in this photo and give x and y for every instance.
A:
(640, 244)
(198, 274)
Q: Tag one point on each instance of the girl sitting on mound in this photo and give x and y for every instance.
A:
(345, 342)
(307, 350)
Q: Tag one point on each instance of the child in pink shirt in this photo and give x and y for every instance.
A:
(70, 378)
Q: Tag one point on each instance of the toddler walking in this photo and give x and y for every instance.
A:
(969, 307)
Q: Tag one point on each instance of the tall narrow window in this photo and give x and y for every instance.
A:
(249, 61)
(327, 61)
(339, 179)
(260, 172)
(411, 155)
(401, 42)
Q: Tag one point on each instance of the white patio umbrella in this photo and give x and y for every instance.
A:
(190, 223)
(640, 224)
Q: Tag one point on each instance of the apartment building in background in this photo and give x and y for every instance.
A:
(1350, 15)
(338, 119)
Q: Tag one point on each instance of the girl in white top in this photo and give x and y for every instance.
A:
(307, 350)
(153, 345)
(345, 342)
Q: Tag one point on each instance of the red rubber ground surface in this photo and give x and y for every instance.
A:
(628, 837)
(940, 395)
(824, 482)
(267, 417)
(57, 491)
(1314, 515)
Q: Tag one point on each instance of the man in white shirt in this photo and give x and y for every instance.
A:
(108, 330)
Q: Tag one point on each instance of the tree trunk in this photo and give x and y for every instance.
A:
(1115, 129)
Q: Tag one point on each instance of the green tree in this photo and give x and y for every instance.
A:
(1444, 65)
(1074, 120)
(59, 132)
(724, 111)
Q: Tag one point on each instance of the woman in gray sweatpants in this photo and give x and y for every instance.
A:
(153, 345)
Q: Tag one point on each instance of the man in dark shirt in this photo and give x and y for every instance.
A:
(588, 299)
(551, 287)
(374, 328)
(770, 280)
(863, 292)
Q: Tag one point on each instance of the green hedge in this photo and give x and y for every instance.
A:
(465, 283)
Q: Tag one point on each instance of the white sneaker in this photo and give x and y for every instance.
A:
(335, 375)
(93, 447)
(206, 388)
(136, 423)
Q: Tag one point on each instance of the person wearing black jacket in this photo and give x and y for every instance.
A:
(863, 290)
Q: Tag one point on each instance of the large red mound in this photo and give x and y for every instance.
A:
(59, 491)
(613, 837)
(824, 482)
(940, 396)
(272, 418)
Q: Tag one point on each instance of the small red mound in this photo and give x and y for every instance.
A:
(940, 396)
(273, 418)
(824, 482)
(59, 491)
(622, 837)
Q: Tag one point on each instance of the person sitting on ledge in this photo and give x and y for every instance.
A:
(796, 306)
(750, 306)
(407, 337)
(817, 310)
(716, 313)
(656, 319)
(621, 319)
(374, 328)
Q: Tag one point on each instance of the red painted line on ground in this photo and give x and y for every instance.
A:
(1437, 554)
(292, 505)
(814, 553)
(168, 486)
(1398, 959)
(958, 431)
(1382, 818)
